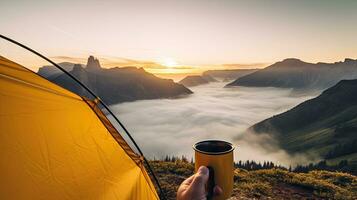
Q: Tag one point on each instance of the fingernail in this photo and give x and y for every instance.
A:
(203, 170)
(217, 190)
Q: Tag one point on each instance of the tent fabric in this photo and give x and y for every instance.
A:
(56, 145)
(93, 104)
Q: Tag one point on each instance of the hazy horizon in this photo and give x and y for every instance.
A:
(175, 74)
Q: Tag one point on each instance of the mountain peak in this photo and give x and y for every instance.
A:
(93, 63)
(77, 67)
(194, 80)
(292, 61)
(289, 63)
(349, 60)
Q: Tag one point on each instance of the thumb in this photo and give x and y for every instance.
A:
(201, 178)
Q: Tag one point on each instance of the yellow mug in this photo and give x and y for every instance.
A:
(218, 157)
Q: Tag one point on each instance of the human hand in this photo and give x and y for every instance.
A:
(194, 187)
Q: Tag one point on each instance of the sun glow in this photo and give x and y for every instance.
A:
(168, 62)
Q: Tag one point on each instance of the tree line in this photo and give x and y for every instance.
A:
(253, 165)
(343, 149)
(342, 166)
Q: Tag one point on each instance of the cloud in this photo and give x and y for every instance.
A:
(70, 59)
(171, 126)
(111, 61)
(155, 67)
(264, 147)
(246, 65)
(119, 62)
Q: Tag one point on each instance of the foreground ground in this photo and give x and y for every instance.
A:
(268, 183)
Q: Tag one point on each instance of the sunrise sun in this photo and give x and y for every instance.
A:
(168, 62)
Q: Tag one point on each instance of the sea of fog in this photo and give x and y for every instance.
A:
(171, 126)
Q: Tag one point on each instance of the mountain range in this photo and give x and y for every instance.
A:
(325, 126)
(195, 80)
(49, 70)
(228, 74)
(300, 75)
(214, 76)
(115, 85)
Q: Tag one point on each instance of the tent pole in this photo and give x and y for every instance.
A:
(162, 195)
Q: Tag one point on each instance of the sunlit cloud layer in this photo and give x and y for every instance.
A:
(161, 67)
(172, 126)
(245, 65)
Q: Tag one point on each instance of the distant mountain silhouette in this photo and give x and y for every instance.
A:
(190, 81)
(319, 126)
(117, 85)
(49, 70)
(228, 74)
(208, 78)
(294, 73)
(93, 64)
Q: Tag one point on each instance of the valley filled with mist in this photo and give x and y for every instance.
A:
(171, 126)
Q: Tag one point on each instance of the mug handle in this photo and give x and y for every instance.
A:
(211, 183)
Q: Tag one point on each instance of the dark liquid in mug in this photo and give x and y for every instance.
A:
(214, 147)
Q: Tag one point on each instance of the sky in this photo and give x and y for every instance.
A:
(183, 36)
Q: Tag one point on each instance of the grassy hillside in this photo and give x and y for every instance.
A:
(269, 183)
(325, 126)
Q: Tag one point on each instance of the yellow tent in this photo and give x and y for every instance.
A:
(55, 144)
